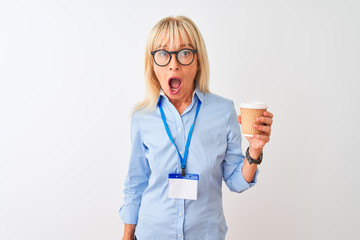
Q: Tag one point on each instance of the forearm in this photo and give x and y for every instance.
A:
(248, 170)
(129, 231)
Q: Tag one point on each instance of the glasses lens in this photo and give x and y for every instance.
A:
(161, 57)
(185, 56)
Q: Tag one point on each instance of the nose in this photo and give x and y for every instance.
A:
(174, 65)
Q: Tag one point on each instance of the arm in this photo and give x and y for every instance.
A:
(257, 143)
(129, 232)
(135, 182)
(248, 170)
(238, 174)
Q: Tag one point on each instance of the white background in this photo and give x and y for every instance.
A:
(71, 71)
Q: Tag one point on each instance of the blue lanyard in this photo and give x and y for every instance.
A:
(182, 159)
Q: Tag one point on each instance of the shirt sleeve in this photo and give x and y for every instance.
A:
(234, 158)
(137, 177)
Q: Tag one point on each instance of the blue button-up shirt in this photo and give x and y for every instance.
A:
(214, 154)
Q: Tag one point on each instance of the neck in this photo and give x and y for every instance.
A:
(182, 104)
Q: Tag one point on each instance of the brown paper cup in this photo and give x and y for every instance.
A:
(250, 111)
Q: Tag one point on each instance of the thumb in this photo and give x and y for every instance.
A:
(239, 119)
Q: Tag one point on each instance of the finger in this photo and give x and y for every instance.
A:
(268, 121)
(264, 138)
(239, 119)
(265, 129)
(268, 114)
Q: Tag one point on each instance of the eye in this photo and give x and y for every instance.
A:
(162, 53)
(185, 53)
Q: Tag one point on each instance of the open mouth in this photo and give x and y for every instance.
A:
(174, 85)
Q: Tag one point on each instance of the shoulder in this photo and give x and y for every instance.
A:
(218, 107)
(143, 118)
(218, 101)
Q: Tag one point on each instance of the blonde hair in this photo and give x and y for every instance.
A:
(173, 29)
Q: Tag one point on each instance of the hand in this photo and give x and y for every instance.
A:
(128, 238)
(258, 141)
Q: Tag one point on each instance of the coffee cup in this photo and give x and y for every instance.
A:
(250, 111)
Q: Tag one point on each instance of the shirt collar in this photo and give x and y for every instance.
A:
(200, 95)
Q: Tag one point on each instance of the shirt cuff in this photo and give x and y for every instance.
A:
(129, 214)
(237, 182)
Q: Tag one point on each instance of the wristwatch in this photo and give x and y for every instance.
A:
(251, 160)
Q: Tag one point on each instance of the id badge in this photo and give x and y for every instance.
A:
(183, 187)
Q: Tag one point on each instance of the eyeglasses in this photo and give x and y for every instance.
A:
(184, 56)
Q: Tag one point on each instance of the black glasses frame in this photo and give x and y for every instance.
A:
(176, 54)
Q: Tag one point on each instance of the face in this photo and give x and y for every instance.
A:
(176, 80)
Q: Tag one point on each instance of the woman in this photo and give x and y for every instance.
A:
(185, 140)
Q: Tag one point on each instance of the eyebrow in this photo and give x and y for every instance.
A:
(181, 46)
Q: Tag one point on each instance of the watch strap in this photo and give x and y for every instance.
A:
(251, 160)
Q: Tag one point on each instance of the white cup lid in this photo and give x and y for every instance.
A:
(253, 105)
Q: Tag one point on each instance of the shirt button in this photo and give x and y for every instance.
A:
(180, 214)
(181, 152)
(179, 235)
(179, 129)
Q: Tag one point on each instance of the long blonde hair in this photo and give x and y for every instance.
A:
(173, 29)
